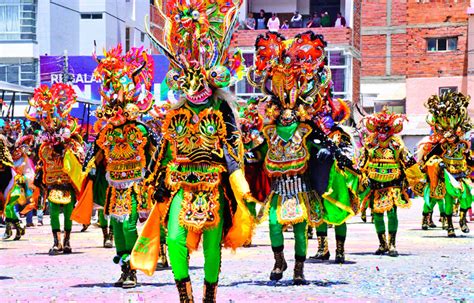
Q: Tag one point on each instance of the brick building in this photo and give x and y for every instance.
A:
(412, 49)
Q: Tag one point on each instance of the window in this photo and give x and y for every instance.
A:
(448, 89)
(19, 71)
(442, 44)
(142, 37)
(338, 62)
(91, 16)
(18, 20)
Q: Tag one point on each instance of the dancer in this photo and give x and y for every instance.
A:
(22, 188)
(122, 156)
(200, 173)
(330, 120)
(445, 158)
(60, 142)
(384, 161)
(251, 126)
(298, 77)
(6, 181)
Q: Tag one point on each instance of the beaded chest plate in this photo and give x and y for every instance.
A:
(124, 151)
(283, 157)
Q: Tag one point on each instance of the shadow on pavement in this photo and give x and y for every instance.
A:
(329, 262)
(283, 283)
(61, 254)
(458, 236)
(372, 254)
(111, 285)
(5, 278)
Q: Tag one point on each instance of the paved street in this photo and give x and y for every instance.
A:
(431, 268)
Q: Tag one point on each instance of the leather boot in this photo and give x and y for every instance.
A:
(383, 247)
(8, 229)
(392, 249)
(125, 272)
(66, 245)
(210, 292)
(279, 267)
(111, 236)
(450, 228)
(163, 260)
(107, 242)
(185, 290)
(20, 231)
(298, 275)
(340, 256)
(463, 221)
(323, 249)
(431, 224)
(57, 247)
(131, 279)
(444, 222)
(424, 222)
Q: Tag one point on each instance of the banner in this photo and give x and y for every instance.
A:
(81, 70)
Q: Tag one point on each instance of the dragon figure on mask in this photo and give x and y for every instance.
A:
(124, 153)
(387, 166)
(445, 157)
(61, 154)
(200, 179)
(293, 74)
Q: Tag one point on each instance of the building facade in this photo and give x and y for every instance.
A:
(32, 28)
(412, 49)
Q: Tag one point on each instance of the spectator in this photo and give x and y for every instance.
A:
(274, 23)
(285, 25)
(325, 20)
(250, 22)
(261, 20)
(296, 20)
(340, 21)
(315, 21)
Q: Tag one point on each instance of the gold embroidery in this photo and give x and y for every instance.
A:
(200, 210)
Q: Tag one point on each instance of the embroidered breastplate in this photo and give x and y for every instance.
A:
(383, 164)
(453, 157)
(53, 166)
(124, 150)
(286, 158)
(196, 142)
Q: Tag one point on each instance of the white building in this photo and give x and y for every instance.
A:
(32, 28)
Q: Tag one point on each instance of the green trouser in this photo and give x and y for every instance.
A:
(55, 209)
(125, 232)
(276, 233)
(430, 203)
(392, 221)
(341, 231)
(178, 252)
(10, 213)
(103, 222)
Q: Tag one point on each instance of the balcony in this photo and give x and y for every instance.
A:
(332, 35)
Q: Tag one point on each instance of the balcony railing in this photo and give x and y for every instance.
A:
(332, 35)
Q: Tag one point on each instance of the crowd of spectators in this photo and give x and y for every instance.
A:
(263, 20)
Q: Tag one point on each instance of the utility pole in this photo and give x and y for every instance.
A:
(66, 76)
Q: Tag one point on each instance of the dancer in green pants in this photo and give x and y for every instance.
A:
(61, 143)
(122, 156)
(385, 162)
(295, 71)
(200, 176)
(445, 158)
